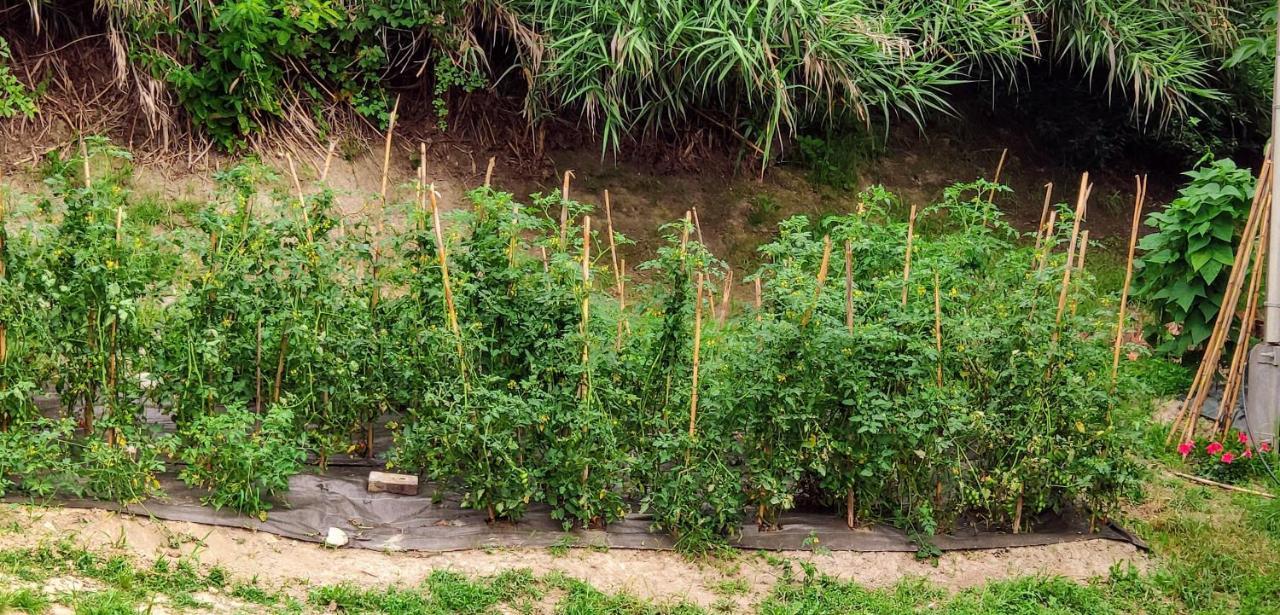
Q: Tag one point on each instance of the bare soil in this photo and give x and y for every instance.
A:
(653, 575)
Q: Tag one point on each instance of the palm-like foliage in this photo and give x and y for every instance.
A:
(760, 68)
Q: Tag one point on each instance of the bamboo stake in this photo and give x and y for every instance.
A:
(1139, 198)
(726, 296)
(684, 233)
(996, 180)
(1081, 203)
(84, 159)
(1212, 483)
(443, 254)
(4, 258)
(623, 325)
(848, 286)
(1050, 232)
(822, 279)
(613, 248)
(284, 351)
(1235, 373)
(1017, 515)
(386, 152)
(302, 201)
(1044, 214)
(1208, 365)
(586, 288)
(1084, 245)
(697, 348)
(564, 210)
(488, 172)
(328, 159)
(937, 322)
(906, 269)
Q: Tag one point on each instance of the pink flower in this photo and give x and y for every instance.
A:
(1228, 458)
(1247, 454)
(1185, 448)
(1244, 438)
(1265, 447)
(1214, 448)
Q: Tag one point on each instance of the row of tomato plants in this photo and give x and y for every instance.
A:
(506, 348)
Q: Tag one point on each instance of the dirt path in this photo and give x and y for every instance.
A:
(659, 576)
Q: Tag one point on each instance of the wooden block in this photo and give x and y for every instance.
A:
(401, 484)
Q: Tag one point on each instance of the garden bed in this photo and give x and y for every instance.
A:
(429, 522)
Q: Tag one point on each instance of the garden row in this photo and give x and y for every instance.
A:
(912, 371)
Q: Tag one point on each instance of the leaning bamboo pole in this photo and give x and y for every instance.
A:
(1235, 373)
(375, 294)
(995, 180)
(1139, 198)
(488, 172)
(906, 267)
(822, 280)
(618, 268)
(1185, 421)
(1081, 203)
(1050, 232)
(442, 253)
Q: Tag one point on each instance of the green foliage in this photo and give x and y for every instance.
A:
(764, 72)
(1184, 266)
(242, 461)
(15, 98)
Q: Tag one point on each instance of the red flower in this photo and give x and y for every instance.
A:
(1185, 448)
(1214, 448)
(1265, 447)
(1228, 458)
(1247, 454)
(1244, 438)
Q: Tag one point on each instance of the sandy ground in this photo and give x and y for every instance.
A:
(659, 576)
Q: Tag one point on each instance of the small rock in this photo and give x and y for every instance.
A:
(336, 538)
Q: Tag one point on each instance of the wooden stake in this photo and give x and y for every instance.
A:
(488, 172)
(442, 252)
(1050, 232)
(996, 180)
(848, 288)
(822, 279)
(906, 269)
(613, 248)
(697, 348)
(937, 322)
(84, 159)
(1084, 245)
(1081, 203)
(1044, 214)
(328, 159)
(697, 224)
(302, 201)
(386, 152)
(726, 297)
(1212, 483)
(623, 325)
(1138, 200)
(1017, 515)
(586, 297)
(684, 233)
(564, 210)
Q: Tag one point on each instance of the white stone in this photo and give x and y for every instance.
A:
(336, 538)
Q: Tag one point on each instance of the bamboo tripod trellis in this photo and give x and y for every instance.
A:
(1184, 422)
